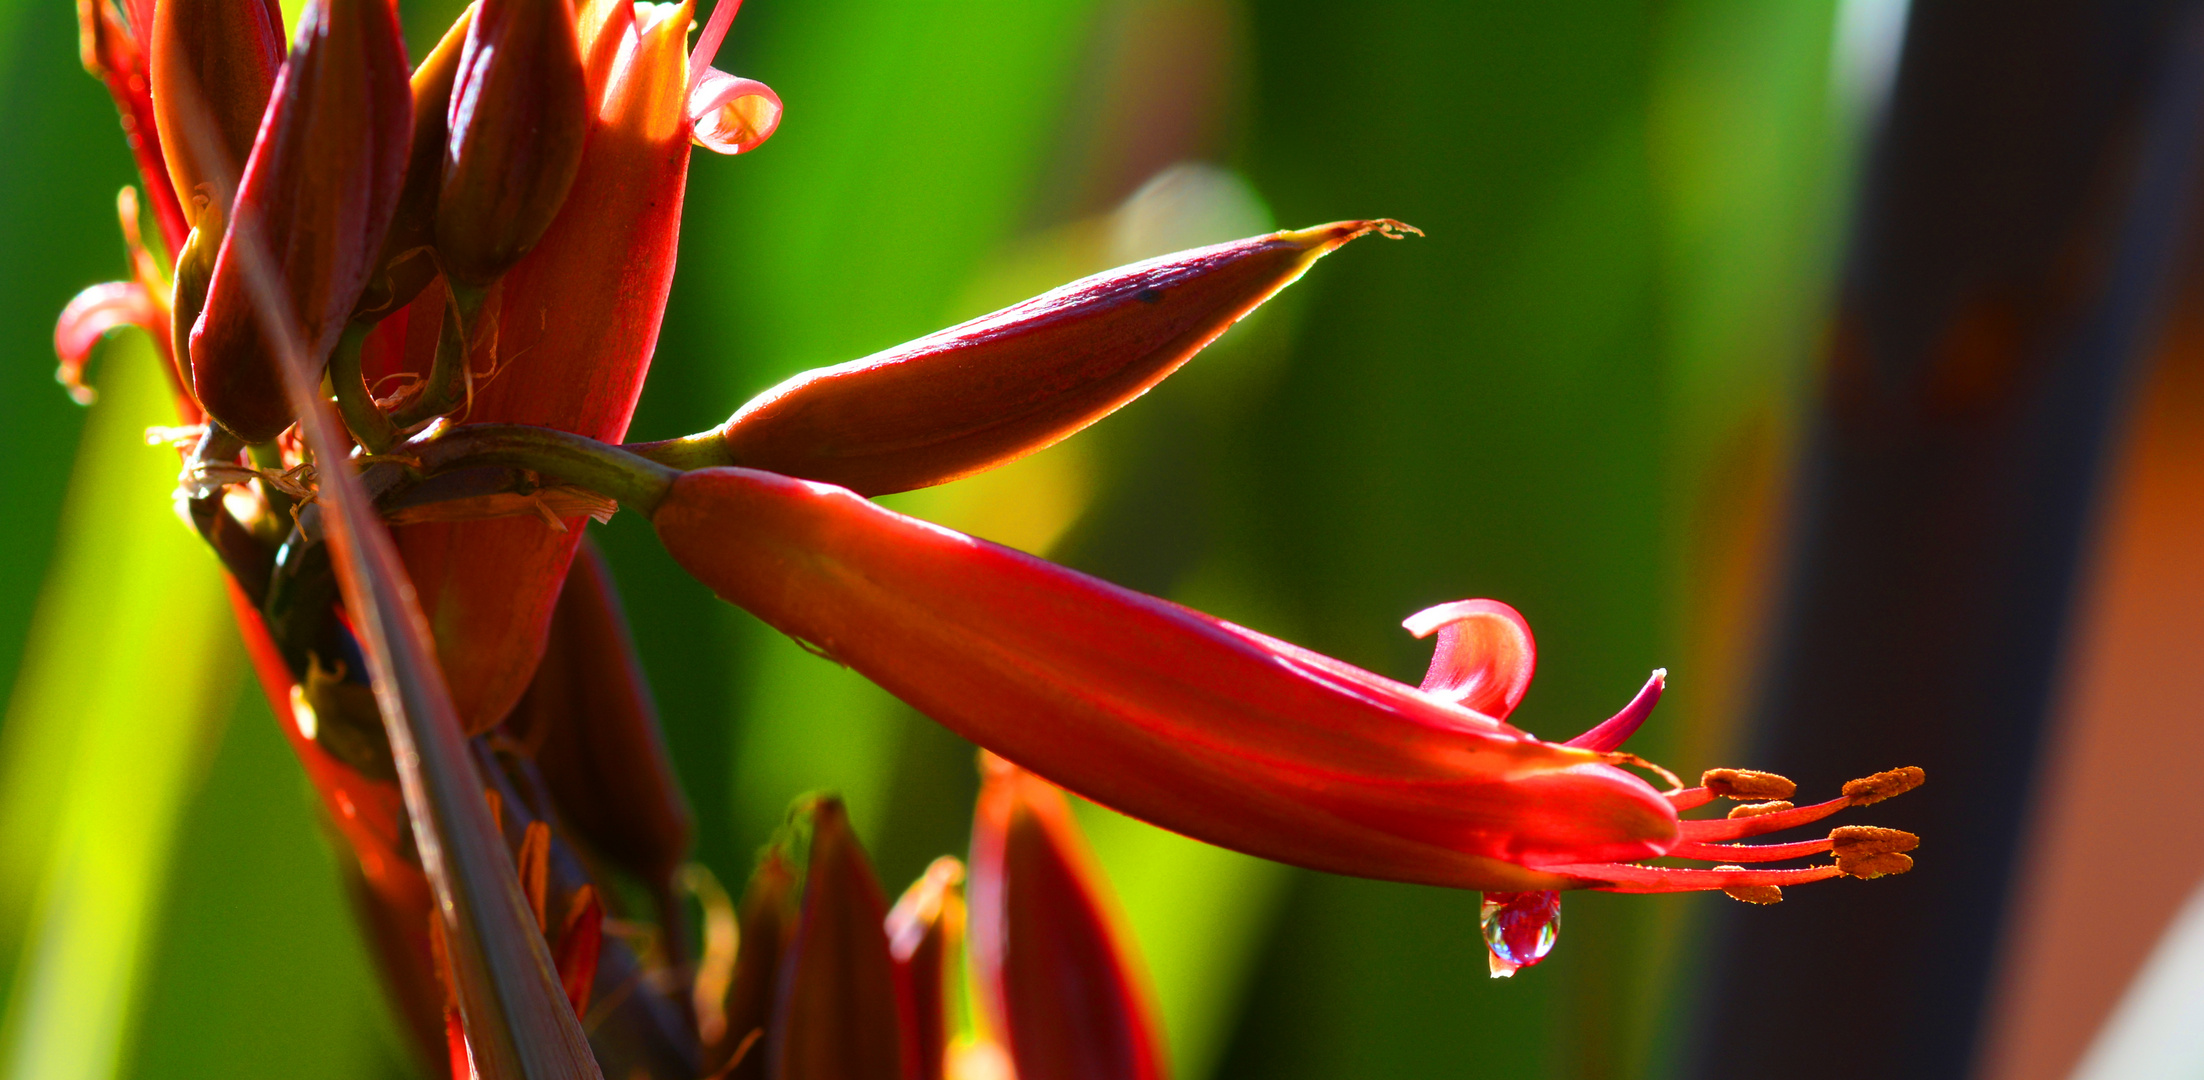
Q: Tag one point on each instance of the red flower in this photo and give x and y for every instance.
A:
(1216, 731)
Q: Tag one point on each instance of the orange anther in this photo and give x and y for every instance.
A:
(1869, 790)
(1759, 808)
(1747, 784)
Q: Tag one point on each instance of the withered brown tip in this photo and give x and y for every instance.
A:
(1869, 790)
(1746, 784)
(1759, 808)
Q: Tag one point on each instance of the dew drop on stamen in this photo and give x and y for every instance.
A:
(1520, 928)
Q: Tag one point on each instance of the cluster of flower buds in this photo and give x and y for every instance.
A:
(490, 238)
(828, 981)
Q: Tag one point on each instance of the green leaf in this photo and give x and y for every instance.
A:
(129, 672)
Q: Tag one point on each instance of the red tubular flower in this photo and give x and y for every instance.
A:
(1213, 730)
(1052, 966)
(213, 64)
(316, 198)
(580, 318)
(516, 122)
(1005, 385)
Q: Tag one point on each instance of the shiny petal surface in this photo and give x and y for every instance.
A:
(1161, 712)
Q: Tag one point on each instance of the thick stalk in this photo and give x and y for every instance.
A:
(635, 481)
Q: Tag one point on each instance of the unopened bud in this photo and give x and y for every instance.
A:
(1869, 790)
(838, 1009)
(925, 934)
(213, 64)
(1747, 784)
(1005, 385)
(406, 265)
(310, 216)
(518, 114)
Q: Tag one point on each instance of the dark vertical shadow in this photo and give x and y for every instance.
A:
(2018, 230)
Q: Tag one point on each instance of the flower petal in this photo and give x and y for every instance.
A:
(1485, 655)
(88, 318)
(732, 115)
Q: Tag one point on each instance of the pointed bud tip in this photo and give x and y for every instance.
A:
(1332, 235)
(1869, 790)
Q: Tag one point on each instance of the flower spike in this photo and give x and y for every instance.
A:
(569, 354)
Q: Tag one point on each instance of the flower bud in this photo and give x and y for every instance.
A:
(517, 118)
(311, 213)
(838, 1015)
(213, 64)
(1005, 385)
(925, 935)
(1049, 954)
(406, 266)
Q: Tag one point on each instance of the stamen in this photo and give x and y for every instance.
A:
(1773, 806)
(1622, 757)
(1690, 798)
(1869, 790)
(1747, 784)
(1749, 852)
(1753, 894)
(1771, 821)
(1632, 878)
(1864, 851)
(1617, 729)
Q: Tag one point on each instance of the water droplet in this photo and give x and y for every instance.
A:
(1520, 928)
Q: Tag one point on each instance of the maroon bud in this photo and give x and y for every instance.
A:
(213, 64)
(311, 213)
(518, 114)
(838, 1013)
(406, 265)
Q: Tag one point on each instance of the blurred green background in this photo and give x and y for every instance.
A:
(1577, 395)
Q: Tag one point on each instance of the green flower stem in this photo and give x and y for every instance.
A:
(700, 451)
(635, 481)
(366, 420)
(446, 388)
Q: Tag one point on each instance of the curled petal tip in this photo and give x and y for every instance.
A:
(1617, 729)
(89, 316)
(729, 114)
(1485, 656)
